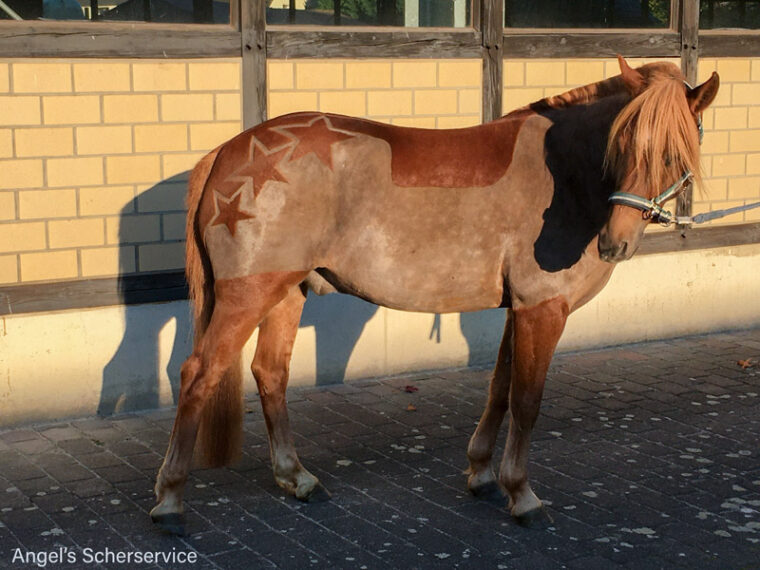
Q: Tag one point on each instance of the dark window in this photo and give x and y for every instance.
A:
(587, 13)
(729, 14)
(169, 11)
(408, 13)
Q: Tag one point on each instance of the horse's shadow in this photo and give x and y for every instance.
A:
(132, 379)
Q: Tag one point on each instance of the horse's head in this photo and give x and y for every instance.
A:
(652, 151)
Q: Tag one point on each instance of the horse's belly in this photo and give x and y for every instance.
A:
(419, 278)
(452, 294)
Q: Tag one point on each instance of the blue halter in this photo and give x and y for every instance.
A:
(652, 209)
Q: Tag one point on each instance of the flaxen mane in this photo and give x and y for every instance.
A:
(661, 129)
(658, 118)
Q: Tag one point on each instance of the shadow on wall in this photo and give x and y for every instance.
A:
(132, 378)
(151, 228)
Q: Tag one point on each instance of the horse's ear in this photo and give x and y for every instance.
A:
(701, 96)
(633, 80)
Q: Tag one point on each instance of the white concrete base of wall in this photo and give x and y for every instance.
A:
(114, 359)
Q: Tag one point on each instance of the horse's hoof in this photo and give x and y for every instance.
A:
(172, 523)
(317, 495)
(537, 518)
(490, 492)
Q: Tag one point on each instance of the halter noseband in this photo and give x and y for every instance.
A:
(652, 209)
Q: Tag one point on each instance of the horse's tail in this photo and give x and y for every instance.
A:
(220, 433)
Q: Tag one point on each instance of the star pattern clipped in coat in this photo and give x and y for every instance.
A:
(229, 212)
(318, 138)
(260, 168)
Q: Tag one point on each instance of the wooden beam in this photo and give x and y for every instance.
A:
(689, 39)
(254, 50)
(285, 42)
(700, 238)
(117, 40)
(590, 44)
(729, 43)
(492, 27)
(689, 61)
(675, 15)
(86, 293)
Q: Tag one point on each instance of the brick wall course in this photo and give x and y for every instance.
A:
(97, 140)
(95, 155)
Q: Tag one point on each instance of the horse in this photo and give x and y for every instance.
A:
(514, 213)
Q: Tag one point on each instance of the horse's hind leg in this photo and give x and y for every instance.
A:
(482, 481)
(240, 305)
(271, 367)
(536, 333)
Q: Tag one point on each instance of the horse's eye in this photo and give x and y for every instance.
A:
(667, 160)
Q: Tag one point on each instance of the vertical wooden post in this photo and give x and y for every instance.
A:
(689, 59)
(94, 10)
(492, 29)
(254, 49)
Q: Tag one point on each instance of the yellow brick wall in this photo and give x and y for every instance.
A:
(528, 80)
(412, 92)
(731, 147)
(94, 156)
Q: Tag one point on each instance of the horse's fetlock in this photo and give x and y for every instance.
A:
(512, 482)
(479, 453)
(285, 465)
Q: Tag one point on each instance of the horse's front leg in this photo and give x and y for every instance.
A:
(482, 481)
(536, 333)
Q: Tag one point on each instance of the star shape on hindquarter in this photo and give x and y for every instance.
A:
(260, 169)
(228, 212)
(317, 137)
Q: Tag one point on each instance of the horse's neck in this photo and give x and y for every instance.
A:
(575, 144)
(574, 148)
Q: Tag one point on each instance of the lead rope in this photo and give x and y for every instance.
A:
(715, 214)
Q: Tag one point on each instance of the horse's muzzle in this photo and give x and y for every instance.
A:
(613, 253)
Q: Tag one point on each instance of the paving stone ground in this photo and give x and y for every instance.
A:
(646, 455)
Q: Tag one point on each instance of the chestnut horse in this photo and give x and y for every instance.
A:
(513, 213)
